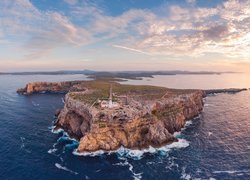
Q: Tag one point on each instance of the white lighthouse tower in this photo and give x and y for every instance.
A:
(110, 97)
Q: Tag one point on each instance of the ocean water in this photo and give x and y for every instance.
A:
(233, 80)
(216, 145)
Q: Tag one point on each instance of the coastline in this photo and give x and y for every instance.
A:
(80, 86)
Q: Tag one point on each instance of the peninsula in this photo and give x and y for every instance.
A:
(105, 115)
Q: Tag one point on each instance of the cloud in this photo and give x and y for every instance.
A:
(191, 1)
(190, 31)
(195, 31)
(40, 31)
(216, 33)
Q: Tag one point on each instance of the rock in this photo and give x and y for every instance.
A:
(57, 112)
(52, 87)
(230, 90)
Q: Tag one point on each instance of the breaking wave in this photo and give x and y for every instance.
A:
(59, 166)
(136, 176)
(138, 154)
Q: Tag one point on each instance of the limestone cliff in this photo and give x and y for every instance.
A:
(53, 87)
(140, 123)
(107, 115)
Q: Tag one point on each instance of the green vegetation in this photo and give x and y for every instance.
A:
(99, 89)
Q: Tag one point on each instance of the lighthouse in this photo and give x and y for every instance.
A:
(110, 97)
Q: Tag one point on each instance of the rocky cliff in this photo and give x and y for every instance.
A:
(142, 122)
(140, 116)
(52, 87)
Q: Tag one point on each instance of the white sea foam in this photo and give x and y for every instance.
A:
(92, 154)
(177, 134)
(56, 131)
(210, 133)
(136, 176)
(51, 151)
(63, 101)
(66, 136)
(181, 143)
(232, 171)
(59, 166)
(188, 123)
(137, 154)
(184, 175)
(211, 178)
(35, 104)
(22, 142)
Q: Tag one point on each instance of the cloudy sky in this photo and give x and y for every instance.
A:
(125, 35)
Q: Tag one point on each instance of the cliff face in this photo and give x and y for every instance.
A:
(150, 123)
(53, 87)
(75, 118)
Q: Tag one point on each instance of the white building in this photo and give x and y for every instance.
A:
(110, 103)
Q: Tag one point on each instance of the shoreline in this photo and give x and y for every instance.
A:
(151, 125)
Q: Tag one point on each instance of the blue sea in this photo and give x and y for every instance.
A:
(216, 145)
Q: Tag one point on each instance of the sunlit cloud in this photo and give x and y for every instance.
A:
(168, 31)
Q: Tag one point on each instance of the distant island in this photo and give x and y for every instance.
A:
(138, 75)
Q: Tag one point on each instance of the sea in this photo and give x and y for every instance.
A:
(215, 145)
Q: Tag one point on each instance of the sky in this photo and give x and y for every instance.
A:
(195, 35)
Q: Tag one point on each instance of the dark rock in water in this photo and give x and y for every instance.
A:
(57, 112)
(230, 90)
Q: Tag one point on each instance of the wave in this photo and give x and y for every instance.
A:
(65, 135)
(63, 101)
(232, 171)
(35, 104)
(209, 134)
(51, 151)
(73, 145)
(137, 154)
(22, 142)
(188, 123)
(136, 176)
(92, 154)
(56, 131)
(59, 166)
(64, 141)
(184, 175)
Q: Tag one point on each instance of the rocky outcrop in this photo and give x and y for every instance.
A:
(145, 124)
(52, 87)
(230, 90)
(75, 118)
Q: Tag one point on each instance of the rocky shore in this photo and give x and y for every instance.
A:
(50, 87)
(141, 116)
